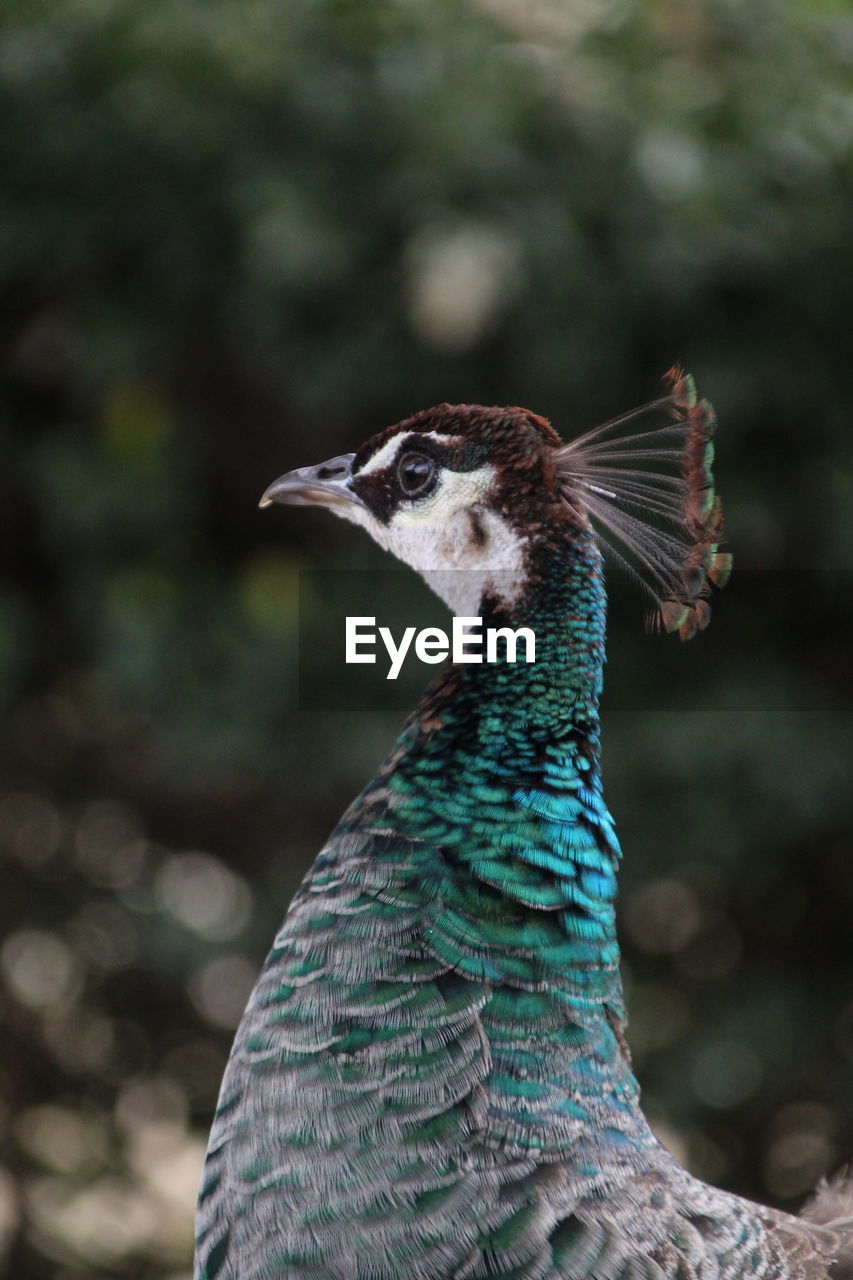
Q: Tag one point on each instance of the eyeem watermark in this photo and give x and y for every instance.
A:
(433, 645)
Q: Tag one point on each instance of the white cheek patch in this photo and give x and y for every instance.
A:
(466, 569)
(437, 537)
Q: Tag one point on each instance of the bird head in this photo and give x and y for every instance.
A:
(467, 495)
(456, 492)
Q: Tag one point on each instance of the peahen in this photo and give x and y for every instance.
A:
(431, 1080)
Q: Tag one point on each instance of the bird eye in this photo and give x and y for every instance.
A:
(416, 473)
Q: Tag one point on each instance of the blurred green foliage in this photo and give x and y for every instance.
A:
(239, 237)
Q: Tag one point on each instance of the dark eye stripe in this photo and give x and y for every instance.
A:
(383, 491)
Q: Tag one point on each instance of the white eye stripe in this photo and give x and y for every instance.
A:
(386, 455)
(381, 459)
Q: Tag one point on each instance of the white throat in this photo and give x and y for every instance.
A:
(461, 571)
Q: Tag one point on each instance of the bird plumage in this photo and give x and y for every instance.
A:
(431, 1079)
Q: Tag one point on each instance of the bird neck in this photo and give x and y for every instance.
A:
(500, 767)
(530, 720)
(495, 785)
(493, 852)
(562, 601)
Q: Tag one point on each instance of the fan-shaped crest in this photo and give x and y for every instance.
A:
(649, 493)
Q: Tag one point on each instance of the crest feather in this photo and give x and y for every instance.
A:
(649, 494)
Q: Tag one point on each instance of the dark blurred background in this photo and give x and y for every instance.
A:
(239, 237)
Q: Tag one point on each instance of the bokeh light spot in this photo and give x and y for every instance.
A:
(204, 895)
(662, 916)
(30, 826)
(61, 1139)
(726, 1073)
(108, 842)
(40, 969)
(221, 988)
(460, 279)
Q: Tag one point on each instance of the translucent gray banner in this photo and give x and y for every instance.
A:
(776, 641)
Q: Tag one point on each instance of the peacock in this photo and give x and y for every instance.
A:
(431, 1080)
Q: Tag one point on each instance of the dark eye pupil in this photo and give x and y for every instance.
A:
(415, 472)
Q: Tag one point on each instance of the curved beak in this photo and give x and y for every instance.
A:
(326, 485)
